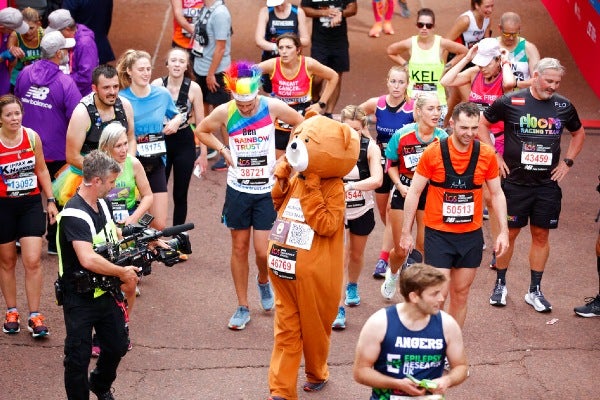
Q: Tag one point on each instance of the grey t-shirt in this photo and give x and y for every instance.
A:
(218, 28)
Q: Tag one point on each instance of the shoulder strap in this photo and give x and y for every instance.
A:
(182, 99)
(363, 161)
(77, 213)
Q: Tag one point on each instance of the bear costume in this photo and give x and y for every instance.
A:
(306, 250)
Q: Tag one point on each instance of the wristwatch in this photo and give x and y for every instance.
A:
(569, 162)
(51, 200)
(322, 105)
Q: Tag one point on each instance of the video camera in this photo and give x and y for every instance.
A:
(133, 248)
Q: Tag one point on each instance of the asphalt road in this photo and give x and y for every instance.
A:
(182, 347)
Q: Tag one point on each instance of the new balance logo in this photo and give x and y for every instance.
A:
(38, 92)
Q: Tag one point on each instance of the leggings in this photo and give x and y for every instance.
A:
(383, 10)
(181, 155)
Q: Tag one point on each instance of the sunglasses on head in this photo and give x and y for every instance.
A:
(422, 25)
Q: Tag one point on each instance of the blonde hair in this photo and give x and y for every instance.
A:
(355, 113)
(126, 61)
(421, 100)
(110, 136)
(30, 15)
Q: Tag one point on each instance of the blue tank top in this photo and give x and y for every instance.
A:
(389, 122)
(403, 351)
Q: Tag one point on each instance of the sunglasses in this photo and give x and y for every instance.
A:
(510, 35)
(422, 25)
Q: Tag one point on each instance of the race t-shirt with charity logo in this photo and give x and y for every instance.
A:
(403, 351)
(532, 132)
(252, 144)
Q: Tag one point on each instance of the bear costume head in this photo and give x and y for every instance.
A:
(324, 147)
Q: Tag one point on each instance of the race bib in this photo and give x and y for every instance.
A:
(293, 210)
(536, 154)
(458, 208)
(21, 186)
(120, 212)
(151, 145)
(282, 261)
(355, 198)
(252, 170)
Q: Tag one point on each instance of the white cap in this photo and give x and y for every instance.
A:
(12, 18)
(487, 50)
(60, 19)
(55, 41)
(274, 3)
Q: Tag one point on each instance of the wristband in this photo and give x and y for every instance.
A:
(51, 200)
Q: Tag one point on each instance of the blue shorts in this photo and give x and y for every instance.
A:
(453, 250)
(363, 225)
(21, 217)
(245, 210)
(539, 205)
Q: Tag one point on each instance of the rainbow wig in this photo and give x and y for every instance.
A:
(242, 79)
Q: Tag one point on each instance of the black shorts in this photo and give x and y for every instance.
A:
(21, 217)
(540, 205)
(336, 58)
(155, 171)
(453, 250)
(397, 202)
(246, 210)
(363, 225)
(217, 98)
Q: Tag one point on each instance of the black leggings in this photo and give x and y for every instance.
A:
(181, 154)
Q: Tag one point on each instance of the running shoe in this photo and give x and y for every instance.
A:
(375, 30)
(380, 269)
(239, 319)
(275, 398)
(12, 323)
(314, 386)
(352, 296)
(486, 213)
(267, 299)
(108, 395)
(414, 257)
(95, 351)
(340, 321)
(52, 249)
(211, 153)
(537, 300)
(404, 11)
(493, 262)
(590, 309)
(388, 287)
(220, 165)
(36, 326)
(498, 297)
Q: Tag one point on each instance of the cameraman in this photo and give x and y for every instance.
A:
(86, 221)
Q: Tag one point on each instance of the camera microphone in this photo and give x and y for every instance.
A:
(174, 230)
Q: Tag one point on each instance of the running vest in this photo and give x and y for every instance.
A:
(389, 119)
(183, 103)
(92, 136)
(473, 34)
(191, 12)
(519, 63)
(295, 89)
(403, 351)
(31, 54)
(18, 167)
(123, 196)
(459, 200)
(98, 238)
(359, 202)
(278, 26)
(425, 69)
(483, 94)
(252, 146)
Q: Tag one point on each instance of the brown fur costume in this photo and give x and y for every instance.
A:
(306, 249)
